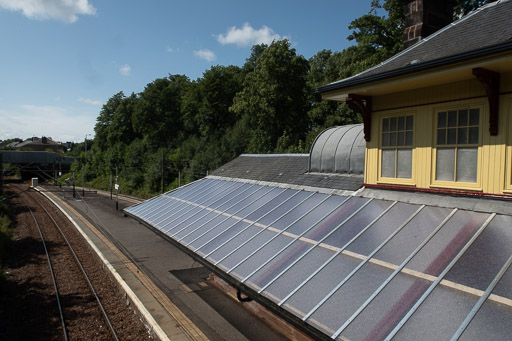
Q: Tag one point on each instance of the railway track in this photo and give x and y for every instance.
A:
(81, 312)
(78, 263)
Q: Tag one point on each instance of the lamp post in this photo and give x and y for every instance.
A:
(83, 166)
(85, 141)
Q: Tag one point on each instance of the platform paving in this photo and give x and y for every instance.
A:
(170, 285)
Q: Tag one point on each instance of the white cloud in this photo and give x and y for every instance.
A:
(248, 36)
(172, 50)
(205, 54)
(61, 123)
(65, 10)
(125, 70)
(90, 101)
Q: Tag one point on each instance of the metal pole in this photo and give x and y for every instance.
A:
(83, 167)
(117, 192)
(54, 174)
(83, 172)
(162, 182)
(111, 184)
(179, 178)
(60, 173)
(74, 194)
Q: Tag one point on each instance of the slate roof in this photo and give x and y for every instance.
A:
(285, 168)
(484, 31)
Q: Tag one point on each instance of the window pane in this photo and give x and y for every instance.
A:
(404, 163)
(463, 136)
(467, 159)
(408, 138)
(463, 118)
(441, 136)
(452, 136)
(388, 163)
(441, 120)
(385, 139)
(385, 124)
(409, 122)
(401, 123)
(392, 139)
(401, 139)
(452, 118)
(445, 164)
(392, 124)
(474, 117)
(473, 135)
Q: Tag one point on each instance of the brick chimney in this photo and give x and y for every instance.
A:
(424, 17)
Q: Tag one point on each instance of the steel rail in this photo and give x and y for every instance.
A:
(86, 277)
(52, 273)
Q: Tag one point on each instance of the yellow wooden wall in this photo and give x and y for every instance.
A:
(495, 152)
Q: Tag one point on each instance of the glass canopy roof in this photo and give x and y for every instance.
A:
(349, 267)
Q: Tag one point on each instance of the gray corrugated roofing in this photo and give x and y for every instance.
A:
(339, 150)
(288, 169)
(489, 26)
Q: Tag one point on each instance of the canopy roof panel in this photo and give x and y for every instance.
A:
(343, 266)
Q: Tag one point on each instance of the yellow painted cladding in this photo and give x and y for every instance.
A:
(494, 174)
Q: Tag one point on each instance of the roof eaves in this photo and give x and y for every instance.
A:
(359, 78)
(460, 57)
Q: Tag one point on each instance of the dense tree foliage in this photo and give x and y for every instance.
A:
(274, 99)
(178, 129)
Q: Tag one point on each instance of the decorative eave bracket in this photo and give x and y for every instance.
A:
(491, 82)
(363, 105)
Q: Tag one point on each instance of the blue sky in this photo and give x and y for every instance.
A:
(62, 60)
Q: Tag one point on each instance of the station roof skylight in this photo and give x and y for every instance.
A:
(348, 267)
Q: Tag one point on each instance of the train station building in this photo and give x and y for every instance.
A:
(399, 228)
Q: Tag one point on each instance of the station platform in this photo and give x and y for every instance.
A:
(168, 288)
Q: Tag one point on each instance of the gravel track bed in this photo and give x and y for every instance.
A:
(28, 306)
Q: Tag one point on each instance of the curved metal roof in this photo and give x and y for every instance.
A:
(339, 150)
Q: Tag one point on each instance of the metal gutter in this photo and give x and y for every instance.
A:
(409, 69)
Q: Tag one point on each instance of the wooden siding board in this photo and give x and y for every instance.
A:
(494, 158)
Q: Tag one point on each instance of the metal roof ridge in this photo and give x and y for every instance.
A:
(322, 190)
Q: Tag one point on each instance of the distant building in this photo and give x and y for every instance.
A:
(40, 144)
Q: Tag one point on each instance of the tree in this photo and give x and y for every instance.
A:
(103, 125)
(122, 130)
(252, 61)
(463, 7)
(274, 99)
(206, 104)
(157, 115)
